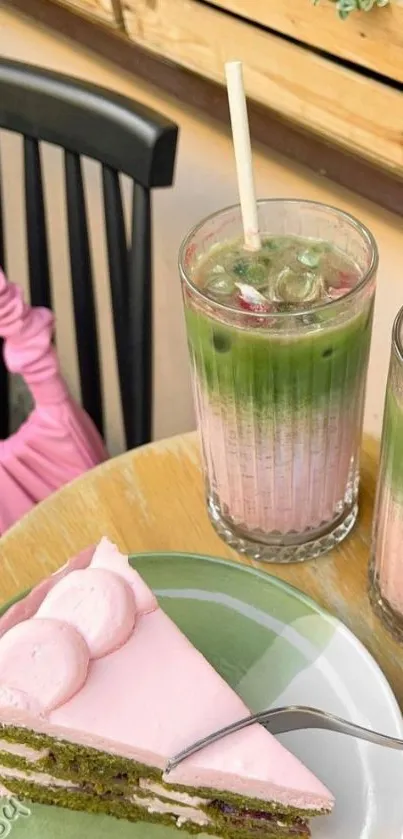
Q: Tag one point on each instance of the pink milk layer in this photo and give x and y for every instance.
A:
(89, 656)
(388, 548)
(284, 476)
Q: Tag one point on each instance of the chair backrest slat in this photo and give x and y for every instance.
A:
(38, 258)
(82, 286)
(126, 138)
(140, 315)
(118, 272)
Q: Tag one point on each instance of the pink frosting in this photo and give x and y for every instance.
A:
(108, 556)
(98, 604)
(146, 700)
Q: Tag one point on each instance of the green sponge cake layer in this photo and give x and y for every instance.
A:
(243, 825)
(86, 779)
(111, 774)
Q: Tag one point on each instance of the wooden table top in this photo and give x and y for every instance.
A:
(152, 499)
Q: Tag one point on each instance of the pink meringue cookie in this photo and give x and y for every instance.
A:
(29, 605)
(19, 702)
(47, 660)
(108, 556)
(99, 604)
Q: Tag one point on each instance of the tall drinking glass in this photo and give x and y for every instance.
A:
(386, 567)
(279, 397)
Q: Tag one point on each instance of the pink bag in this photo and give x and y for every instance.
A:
(58, 441)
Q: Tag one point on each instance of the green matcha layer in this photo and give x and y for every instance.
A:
(392, 443)
(111, 773)
(245, 826)
(104, 783)
(266, 370)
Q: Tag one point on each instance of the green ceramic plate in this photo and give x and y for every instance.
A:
(275, 647)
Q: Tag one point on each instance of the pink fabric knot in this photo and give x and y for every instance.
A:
(59, 441)
(13, 308)
(28, 348)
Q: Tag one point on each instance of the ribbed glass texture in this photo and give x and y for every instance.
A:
(386, 568)
(280, 402)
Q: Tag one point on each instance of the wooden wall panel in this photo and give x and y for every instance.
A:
(373, 40)
(360, 114)
(99, 9)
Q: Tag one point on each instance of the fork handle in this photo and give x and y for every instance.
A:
(298, 718)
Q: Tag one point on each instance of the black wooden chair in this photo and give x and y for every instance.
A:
(125, 137)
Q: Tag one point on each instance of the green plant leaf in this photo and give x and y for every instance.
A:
(345, 7)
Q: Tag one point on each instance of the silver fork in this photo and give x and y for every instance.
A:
(291, 718)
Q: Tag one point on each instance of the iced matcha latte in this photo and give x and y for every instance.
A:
(386, 571)
(279, 341)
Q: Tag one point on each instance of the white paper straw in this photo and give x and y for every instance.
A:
(243, 153)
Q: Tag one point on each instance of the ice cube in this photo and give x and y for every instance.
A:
(240, 267)
(257, 275)
(220, 285)
(298, 287)
(250, 269)
(309, 257)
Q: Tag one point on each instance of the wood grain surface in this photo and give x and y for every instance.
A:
(344, 106)
(368, 175)
(103, 10)
(152, 499)
(371, 40)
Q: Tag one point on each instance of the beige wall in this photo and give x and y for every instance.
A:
(204, 182)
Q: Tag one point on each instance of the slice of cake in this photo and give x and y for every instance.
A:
(99, 688)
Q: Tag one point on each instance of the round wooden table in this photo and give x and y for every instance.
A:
(152, 499)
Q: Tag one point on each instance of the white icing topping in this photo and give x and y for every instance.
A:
(97, 603)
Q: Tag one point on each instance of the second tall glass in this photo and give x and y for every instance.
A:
(386, 567)
(280, 400)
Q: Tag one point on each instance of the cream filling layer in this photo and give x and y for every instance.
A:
(182, 813)
(180, 809)
(172, 795)
(40, 778)
(18, 749)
